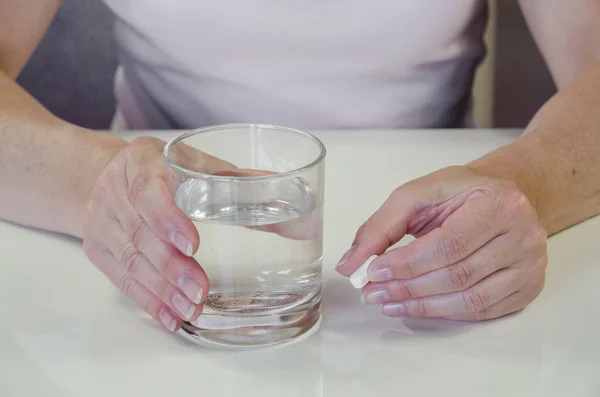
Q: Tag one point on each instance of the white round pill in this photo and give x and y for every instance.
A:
(360, 278)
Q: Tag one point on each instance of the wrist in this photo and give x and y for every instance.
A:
(516, 163)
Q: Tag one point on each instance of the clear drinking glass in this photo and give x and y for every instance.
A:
(260, 227)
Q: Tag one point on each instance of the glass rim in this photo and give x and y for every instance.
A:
(237, 178)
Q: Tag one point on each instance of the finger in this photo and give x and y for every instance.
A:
(138, 267)
(383, 229)
(478, 298)
(193, 159)
(152, 200)
(140, 180)
(178, 269)
(513, 303)
(495, 255)
(305, 227)
(471, 226)
(518, 300)
(150, 303)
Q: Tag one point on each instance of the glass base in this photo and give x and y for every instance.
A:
(218, 331)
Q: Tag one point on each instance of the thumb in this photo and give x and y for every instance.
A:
(383, 229)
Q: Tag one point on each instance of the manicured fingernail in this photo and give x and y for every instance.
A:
(182, 243)
(167, 320)
(394, 309)
(377, 275)
(346, 256)
(374, 297)
(183, 305)
(191, 289)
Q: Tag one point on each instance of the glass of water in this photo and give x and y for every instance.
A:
(260, 221)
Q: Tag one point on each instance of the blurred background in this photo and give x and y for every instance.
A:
(72, 70)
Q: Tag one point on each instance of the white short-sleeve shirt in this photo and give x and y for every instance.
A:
(303, 63)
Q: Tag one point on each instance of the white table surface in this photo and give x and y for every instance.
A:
(66, 331)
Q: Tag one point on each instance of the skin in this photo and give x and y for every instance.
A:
(481, 228)
(136, 235)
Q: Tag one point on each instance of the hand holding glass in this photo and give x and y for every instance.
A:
(260, 227)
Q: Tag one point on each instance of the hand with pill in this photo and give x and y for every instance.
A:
(479, 252)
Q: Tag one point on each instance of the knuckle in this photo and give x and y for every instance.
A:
(483, 192)
(421, 308)
(403, 265)
(402, 290)
(514, 202)
(366, 229)
(137, 186)
(162, 288)
(535, 238)
(149, 305)
(163, 202)
(373, 230)
(490, 217)
(482, 315)
(168, 264)
(410, 294)
(135, 230)
(476, 299)
(521, 299)
(460, 276)
(129, 285)
(141, 141)
(417, 308)
(409, 268)
(131, 259)
(140, 149)
(453, 247)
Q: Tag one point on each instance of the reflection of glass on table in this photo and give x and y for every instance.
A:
(260, 229)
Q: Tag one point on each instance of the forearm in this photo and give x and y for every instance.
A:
(47, 166)
(556, 163)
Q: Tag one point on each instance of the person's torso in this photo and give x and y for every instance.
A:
(303, 63)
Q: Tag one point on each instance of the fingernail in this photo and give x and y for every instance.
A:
(182, 243)
(346, 256)
(378, 275)
(167, 320)
(191, 289)
(394, 309)
(183, 305)
(375, 297)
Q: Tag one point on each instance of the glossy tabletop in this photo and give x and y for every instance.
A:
(66, 331)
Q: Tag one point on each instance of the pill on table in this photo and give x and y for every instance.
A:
(360, 278)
